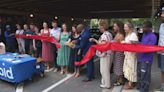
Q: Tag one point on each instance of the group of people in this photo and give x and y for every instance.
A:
(73, 46)
(134, 67)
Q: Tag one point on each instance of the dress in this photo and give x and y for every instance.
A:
(118, 63)
(130, 61)
(118, 60)
(74, 53)
(64, 51)
(47, 52)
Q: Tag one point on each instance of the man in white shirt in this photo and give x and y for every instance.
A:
(161, 54)
(55, 32)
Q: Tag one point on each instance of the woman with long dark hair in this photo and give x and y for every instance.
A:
(118, 60)
(75, 53)
(64, 50)
(47, 52)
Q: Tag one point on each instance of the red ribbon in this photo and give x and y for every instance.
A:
(102, 48)
(118, 47)
(42, 38)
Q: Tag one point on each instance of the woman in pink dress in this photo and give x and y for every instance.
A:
(47, 52)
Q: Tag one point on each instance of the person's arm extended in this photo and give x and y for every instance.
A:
(83, 42)
(151, 41)
(6, 34)
(94, 40)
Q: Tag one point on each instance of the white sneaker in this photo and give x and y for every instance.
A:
(48, 70)
(55, 70)
(103, 86)
(51, 69)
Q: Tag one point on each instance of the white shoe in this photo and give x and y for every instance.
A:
(103, 86)
(48, 70)
(51, 69)
(55, 70)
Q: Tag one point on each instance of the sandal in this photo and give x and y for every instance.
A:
(77, 75)
(74, 74)
(128, 86)
(62, 72)
(118, 83)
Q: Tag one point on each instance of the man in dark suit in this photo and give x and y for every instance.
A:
(84, 46)
(10, 38)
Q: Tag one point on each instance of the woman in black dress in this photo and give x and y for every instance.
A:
(75, 55)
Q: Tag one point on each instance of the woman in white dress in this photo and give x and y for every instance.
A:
(130, 60)
(21, 43)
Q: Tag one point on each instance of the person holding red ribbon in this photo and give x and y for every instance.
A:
(37, 44)
(105, 57)
(161, 54)
(21, 42)
(55, 33)
(130, 60)
(145, 59)
(75, 53)
(84, 45)
(64, 51)
(47, 52)
(118, 59)
(28, 42)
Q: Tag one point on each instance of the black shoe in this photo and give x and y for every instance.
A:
(87, 80)
(93, 78)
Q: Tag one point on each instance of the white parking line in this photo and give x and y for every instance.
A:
(62, 81)
(19, 88)
(58, 83)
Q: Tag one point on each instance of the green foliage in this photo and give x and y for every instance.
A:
(136, 21)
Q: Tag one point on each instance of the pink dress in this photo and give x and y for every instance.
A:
(47, 52)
